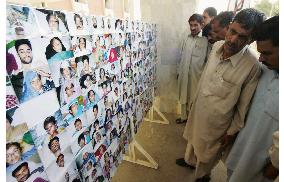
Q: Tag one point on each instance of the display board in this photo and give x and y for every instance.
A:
(74, 84)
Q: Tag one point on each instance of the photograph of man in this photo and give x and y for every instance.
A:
(78, 21)
(23, 173)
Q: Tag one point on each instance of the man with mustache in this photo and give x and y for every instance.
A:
(193, 55)
(254, 140)
(223, 95)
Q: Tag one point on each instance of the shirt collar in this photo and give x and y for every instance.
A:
(235, 59)
(198, 35)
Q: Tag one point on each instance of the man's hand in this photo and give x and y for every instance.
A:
(270, 171)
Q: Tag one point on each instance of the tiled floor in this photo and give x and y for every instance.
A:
(165, 144)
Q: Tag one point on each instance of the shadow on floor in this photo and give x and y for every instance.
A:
(165, 144)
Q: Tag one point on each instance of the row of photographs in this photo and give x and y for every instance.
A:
(27, 22)
(25, 65)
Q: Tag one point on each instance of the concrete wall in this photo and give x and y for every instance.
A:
(171, 16)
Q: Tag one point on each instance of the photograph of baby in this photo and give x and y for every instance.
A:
(11, 98)
(20, 22)
(19, 149)
(64, 169)
(77, 24)
(51, 22)
(74, 109)
(81, 45)
(27, 171)
(82, 140)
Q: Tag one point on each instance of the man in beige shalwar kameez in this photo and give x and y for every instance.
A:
(223, 95)
(193, 55)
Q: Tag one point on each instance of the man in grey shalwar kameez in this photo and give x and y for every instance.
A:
(249, 155)
(193, 55)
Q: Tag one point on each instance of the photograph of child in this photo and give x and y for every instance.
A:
(81, 141)
(20, 22)
(73, 110)
(76, 127)
(81, 45)
(51, 22)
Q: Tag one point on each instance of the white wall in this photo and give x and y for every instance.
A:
(171, 16)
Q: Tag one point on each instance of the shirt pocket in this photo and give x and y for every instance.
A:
(198, 50)
(218, 87)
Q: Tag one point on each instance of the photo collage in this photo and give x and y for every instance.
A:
(75, 85)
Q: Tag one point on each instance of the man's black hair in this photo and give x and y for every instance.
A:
(268, 30)
(211, 11)
(224, 18)
(81, 136)
(196, 17)
(50, 119)
(19, 168)
(50, 142)
(20, 42)
(249, 18)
